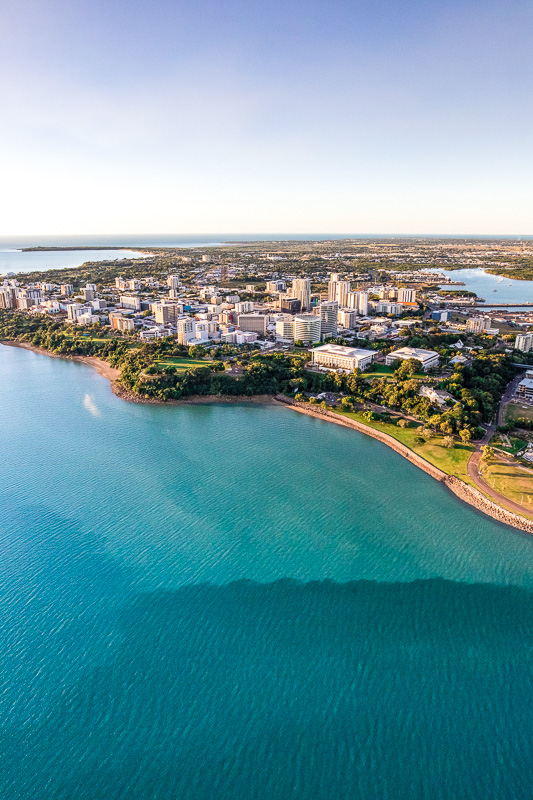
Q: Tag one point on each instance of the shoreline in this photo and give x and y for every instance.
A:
(459, 488)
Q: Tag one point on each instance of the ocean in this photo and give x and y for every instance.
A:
(238, 601)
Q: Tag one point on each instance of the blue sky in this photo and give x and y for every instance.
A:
(233, 116)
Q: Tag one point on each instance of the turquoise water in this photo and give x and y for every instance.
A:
(229, 601)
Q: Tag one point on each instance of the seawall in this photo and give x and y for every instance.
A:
(464, 491)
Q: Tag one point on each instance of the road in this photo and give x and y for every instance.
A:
(475, 458)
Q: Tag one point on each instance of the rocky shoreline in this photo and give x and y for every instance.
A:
(460, 489)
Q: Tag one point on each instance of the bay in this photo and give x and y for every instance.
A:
(492, 288)
(223, 601)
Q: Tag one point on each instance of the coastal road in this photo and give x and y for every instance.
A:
(475, 459)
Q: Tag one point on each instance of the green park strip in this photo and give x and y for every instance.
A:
(183, 364)
(452, 461)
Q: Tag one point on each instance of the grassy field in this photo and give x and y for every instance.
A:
(453, 461)
(383, 371)
(517, 444)
(183, 364)
(515, 410)
(511, 481)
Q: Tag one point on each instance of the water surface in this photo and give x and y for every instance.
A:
(229, 601)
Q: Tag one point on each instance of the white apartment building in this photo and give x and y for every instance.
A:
(66, 289)
(130, 301)
(173, 281)
(389, 308)
(301, 290)
(347, 317)
(285, 328)
(186, 329)
(335, 356)
(75, 310)
(328, 318)
(358, 301)
(120, 283)
(307, 328)
(427, 358)
(406, 295)
(478, 324)
(338, 290)
(134, 285)
(524, 342)
(245, 307)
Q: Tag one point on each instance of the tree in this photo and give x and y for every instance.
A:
(403, 423)
(465, 435)
(449, 442)
(487, 452)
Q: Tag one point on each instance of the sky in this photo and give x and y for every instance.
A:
(226, 116)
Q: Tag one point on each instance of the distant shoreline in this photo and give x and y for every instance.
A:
(92, 247)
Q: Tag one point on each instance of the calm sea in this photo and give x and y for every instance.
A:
(492, 288)
(236, 601)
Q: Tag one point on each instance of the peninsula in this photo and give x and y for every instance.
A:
(393, 352)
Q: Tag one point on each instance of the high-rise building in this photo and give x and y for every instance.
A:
(290, 305)
(186, 328)
(347, 318)
(406, 295)
(130, 301)
(173, 281)
(524, 342)
(328, 319)
(301, 289)
(285, 328)
(66, 289)
(307, 328)
(8, 297)
(362, 303)
(255, 323)
(338, 290)
(167, 312)
(477, 324)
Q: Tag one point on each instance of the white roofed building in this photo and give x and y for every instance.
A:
(428, 358)
(336, 356)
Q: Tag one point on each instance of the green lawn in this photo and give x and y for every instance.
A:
(453, 461)
(515, 409)
(183, 364)
(511, 481)
(377, 371)
(383, 371)
(517, 444)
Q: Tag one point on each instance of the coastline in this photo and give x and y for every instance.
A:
(460, 489)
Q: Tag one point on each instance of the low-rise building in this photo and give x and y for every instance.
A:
(437, 396)
(427, 358)
(336, 356)
(525, 389)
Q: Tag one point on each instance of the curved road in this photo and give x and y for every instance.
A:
(475, 458)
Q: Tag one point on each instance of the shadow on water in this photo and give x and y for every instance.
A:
(295, 690)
